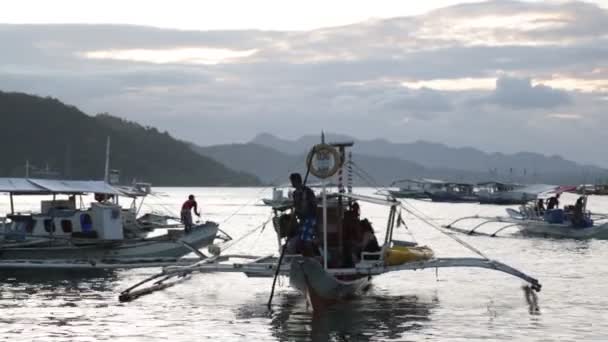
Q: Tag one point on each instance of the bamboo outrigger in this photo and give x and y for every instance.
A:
(342, 268)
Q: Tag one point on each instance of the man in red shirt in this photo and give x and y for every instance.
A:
(186, 214)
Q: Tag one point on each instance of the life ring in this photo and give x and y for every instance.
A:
(331, 153)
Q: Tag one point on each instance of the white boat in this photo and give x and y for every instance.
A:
(344, 265)
(278, 198)
(415, 188)
(509, 194)
(528, 220)
(63, 234)
(453, 192)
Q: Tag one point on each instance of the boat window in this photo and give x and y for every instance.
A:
(86, 224)
(66, 226)
(49, 225)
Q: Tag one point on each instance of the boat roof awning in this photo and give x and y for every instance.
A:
(20, 185)
(27, 186)
(420, 181)
(73, 187)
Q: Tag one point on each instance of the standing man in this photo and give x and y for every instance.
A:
(305, 207)
(186, 214)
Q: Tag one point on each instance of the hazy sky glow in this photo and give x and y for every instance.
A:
(214, 15)
(500, 75)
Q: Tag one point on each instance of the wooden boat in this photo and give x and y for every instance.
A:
(454, 193)
(415, 188)
(343, 266)
(62, 234)
(528, 220)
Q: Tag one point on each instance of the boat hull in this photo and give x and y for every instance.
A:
(309, 277)
(563, 230)
(160, 247)
(502, 200)
(408, 194)
(452, 198)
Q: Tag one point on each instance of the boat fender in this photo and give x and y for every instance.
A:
(214, 250)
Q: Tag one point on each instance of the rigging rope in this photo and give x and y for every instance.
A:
(420, 215)
(229, 244)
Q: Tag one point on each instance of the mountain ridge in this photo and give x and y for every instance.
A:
(43, 130)
(438, 155)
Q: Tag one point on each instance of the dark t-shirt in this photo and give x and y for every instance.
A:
(553, 203)
(305, 202)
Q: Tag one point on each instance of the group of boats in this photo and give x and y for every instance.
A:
(344, 256)
(490, 192)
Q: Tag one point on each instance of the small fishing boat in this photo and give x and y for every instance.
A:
(507, 193)
(345, 257)
(530, 220)
(452, 192)
(415, 188)
(62, 234)
(278, 198)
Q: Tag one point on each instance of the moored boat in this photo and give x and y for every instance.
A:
(532, 220)
(62, 233)
(345, 256)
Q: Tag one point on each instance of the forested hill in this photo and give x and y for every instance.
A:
(45, 131)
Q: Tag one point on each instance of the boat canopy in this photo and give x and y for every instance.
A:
(20, 185)
(419, 181)
(27, 186)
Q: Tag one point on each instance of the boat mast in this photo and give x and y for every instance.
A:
(12, 204)
(324, 196)
(106, 175)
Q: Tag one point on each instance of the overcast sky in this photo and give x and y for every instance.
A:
(500, 76)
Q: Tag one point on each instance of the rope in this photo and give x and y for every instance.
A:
(231, 243)
(439, 229)
(421, 215)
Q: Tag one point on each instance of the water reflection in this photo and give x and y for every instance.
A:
(68, 285)
(374, 316)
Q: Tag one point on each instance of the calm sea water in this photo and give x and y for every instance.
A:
(451, 305)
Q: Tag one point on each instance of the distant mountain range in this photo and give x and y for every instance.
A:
(271, 158)
(44, 131)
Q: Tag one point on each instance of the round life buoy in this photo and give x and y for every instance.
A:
(324, 155)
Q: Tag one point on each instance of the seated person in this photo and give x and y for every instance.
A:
(578, 216)
(553, 202)
(540, 207)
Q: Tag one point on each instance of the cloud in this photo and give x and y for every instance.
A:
(432, 72)
(520, 93)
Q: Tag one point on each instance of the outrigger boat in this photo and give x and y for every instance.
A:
(62, 235)
(504, 193)
(529, 220)
(415, 188)
(453, 193)
(340, 266)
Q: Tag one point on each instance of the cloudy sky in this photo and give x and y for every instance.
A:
(500, 76)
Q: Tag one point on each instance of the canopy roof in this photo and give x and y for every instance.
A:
(420, 181)
(28, 186)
